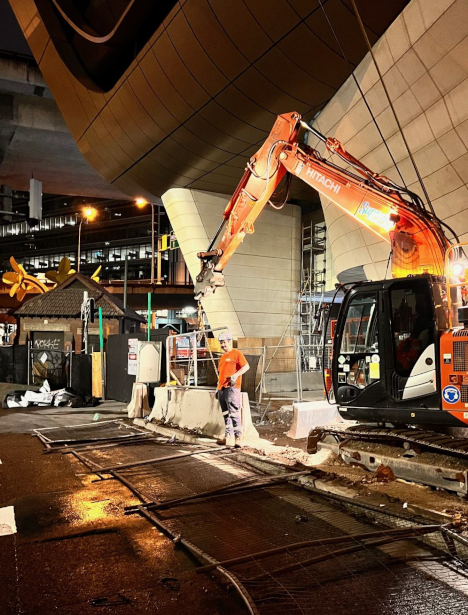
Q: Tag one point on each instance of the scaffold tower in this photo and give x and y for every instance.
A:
(313, 274)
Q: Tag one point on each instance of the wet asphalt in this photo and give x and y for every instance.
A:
(75, 551)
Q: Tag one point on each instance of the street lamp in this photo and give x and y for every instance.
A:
(140, 202)
(88, 214)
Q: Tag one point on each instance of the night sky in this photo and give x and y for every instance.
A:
(11, 37)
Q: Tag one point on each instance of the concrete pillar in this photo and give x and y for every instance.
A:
(6, 202)
(262, 278)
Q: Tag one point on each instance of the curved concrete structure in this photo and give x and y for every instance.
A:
(205, 86)
(262, 278)
(424, 60)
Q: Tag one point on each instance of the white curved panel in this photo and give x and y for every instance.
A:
(422, 380)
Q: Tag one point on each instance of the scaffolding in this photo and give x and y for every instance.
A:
(313, 274)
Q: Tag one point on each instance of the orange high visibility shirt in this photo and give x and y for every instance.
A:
(229, 363)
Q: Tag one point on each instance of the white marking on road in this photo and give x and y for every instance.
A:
(7, 521)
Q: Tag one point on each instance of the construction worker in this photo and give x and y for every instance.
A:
(232, 365)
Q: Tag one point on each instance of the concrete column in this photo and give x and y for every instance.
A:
(262, 278)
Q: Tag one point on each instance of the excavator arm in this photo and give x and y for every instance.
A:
(415, 235)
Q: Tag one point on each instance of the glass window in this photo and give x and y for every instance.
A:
(412, 325)
(359, 361)
(360, 329)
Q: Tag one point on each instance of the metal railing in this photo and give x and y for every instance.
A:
(189, 364)
(276, 371)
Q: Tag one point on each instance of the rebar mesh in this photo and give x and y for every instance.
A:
(184, 477)
(373, 580)
(396, 576)
(104, 430)
(141, 451)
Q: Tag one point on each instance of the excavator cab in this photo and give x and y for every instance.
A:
(386, 352)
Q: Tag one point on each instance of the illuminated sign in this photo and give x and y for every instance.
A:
(370, 214)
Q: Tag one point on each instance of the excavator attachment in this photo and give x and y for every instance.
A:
(207, 281)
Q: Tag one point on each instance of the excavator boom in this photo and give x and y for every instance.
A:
(415, 236)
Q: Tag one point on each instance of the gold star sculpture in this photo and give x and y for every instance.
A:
(21, 282)
(95, 275)
(64, 270)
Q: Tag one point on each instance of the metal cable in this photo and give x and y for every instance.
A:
(351, 72)
(364, 33)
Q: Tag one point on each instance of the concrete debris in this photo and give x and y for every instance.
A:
(170, 583)
(383, 474)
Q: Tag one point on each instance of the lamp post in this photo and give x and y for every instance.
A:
(88, 213)
(141, 202)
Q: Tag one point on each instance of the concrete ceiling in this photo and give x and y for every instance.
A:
(204, 88)
(34, 139)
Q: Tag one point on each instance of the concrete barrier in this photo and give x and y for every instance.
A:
(278, 382)
(310, 414)
(198, 409)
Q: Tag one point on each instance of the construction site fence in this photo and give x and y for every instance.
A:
(276, 371)
(192, 358)
(313, 357)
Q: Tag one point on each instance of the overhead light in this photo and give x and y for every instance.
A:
(90, 213)
(457, 269)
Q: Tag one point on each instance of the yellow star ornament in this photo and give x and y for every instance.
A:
(20, 281)
(63, 272)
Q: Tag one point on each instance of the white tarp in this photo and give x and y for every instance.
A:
(7, 521)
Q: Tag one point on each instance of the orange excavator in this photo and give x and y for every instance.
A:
(400, 355)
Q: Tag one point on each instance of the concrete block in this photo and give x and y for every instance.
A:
(138, 406)
(308, 415)
(198, 409)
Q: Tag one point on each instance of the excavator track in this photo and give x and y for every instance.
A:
(425, 440)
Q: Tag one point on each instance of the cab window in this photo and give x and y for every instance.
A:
(359, 361)
(412, 324)
(360, 333)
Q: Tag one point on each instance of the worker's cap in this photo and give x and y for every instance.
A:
(225, 337)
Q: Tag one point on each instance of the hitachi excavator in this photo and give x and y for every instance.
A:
(400, 356)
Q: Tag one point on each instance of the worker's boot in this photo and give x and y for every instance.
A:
(238, 442)
(221, 441)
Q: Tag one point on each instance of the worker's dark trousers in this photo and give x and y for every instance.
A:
(230, 401)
